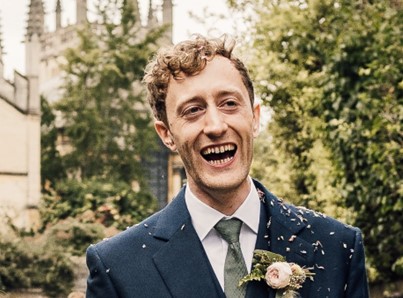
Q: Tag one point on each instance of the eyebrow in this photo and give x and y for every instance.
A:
(232, 92)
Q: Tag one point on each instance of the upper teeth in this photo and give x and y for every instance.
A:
(218, 149)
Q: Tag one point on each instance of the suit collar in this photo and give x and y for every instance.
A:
(281, 217)
(172, 217)
(204, 217)
(182, 261)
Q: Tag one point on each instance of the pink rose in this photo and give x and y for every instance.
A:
(278, 275)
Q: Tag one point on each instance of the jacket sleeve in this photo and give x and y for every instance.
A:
(99, 284)
(357, 283)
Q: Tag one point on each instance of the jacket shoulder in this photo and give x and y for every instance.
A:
(317, 225)
(133, 238)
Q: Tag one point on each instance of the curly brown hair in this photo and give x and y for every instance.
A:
(189, 58)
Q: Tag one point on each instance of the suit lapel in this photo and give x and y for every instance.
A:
(285, 226)
(182, 261)
(257, 289)
(279, 230)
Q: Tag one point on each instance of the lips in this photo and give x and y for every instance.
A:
(219, 154)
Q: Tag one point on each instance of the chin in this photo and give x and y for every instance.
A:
(228, 184)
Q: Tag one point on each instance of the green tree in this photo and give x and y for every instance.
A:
(51, 162)
(332, 73)
(104, 201)
(106, 120)
(363, 113)
(25, 263)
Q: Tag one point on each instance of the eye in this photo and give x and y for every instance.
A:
(192, 111)
(230, 104)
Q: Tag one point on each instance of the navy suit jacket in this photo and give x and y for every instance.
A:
(163, 256)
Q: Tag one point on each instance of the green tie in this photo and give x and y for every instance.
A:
(234, 268)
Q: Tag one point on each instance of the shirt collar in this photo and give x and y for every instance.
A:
(204, 217)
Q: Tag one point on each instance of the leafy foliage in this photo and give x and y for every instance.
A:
(363, 113)
(262, 259)
(106, 120)
(106, 135)
(25, 265)
(111, 203)
(398, 266)
(74, 236)
(331, 73)
(51, 162)
(273, 167)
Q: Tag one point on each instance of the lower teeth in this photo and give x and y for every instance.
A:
(220, 161)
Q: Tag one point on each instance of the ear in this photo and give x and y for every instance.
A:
(256, 119)
(164, 134)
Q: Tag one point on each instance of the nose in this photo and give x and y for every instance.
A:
(215, 125)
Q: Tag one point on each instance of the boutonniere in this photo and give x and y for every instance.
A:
(278, 274)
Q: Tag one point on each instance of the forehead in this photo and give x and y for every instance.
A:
(219, 76)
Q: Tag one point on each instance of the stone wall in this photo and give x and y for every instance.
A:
(19, 152)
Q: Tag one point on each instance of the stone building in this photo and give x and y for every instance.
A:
(20, 143)
(20, 110)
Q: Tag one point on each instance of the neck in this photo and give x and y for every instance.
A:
(226, 201)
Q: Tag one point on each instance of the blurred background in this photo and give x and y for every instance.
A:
(79, 159)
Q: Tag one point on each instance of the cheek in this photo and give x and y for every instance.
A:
(186, 135)
(185, 148)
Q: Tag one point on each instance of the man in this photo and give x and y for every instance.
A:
(203, 102)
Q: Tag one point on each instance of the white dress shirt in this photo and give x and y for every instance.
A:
(204, 218)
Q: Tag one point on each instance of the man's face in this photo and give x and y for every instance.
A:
(212, 125)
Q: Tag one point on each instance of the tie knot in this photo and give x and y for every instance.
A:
(229, 229)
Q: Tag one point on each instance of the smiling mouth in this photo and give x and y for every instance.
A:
(217, 155)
